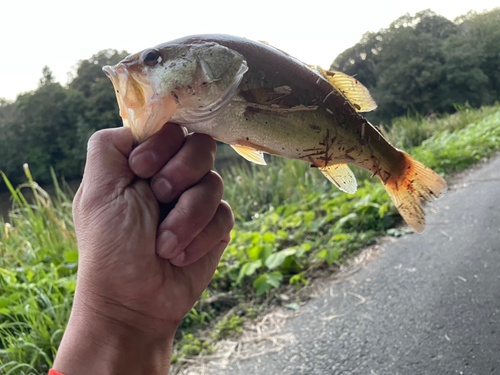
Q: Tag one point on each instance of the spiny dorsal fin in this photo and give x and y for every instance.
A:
(250, 154)
(353, 90)
(341, 176)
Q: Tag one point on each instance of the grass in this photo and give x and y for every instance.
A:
(38, 262)
(289, 220)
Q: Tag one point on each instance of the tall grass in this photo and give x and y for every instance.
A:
(289, 219)
(38, 262)
(409, 132)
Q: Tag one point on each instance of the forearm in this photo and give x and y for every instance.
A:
(98, 345)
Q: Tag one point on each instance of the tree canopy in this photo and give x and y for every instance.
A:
(426, 63)
(50, 126)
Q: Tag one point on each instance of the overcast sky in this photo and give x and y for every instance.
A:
(59, 33)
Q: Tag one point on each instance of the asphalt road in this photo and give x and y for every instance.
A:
(430, 304)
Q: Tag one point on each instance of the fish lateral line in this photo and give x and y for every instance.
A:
(275, 107)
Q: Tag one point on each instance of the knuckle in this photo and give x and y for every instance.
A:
(186, 214)
(214, 180)
(101, 136)
(174, 135)
(227, 217)
(204, 142)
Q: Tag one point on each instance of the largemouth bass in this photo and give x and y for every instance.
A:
(260, 100)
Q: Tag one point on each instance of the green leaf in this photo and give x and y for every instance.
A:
(242, 273)
(282, 235)
(5, 302)
(264, 282)
(29, 274)
(248, 269)
(293, 306)
(274, 279)
(302, 250)
(71, 256)
(261, 284)
(252, 267)
(340, 223)
(268, 237)
(298, 279)
(254, 252)
(277, 259)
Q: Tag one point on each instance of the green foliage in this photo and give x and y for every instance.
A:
(37, 278)
(50, 126)
(267, 281)
(448, 152)
(426, 64)
(190, 346)
(408, 132)
(228, 326)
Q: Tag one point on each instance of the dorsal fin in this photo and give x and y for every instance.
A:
(357, 94)
(341, 176)
(250, 154)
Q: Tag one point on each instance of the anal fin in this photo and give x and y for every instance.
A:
(341, 176)
(250, 154)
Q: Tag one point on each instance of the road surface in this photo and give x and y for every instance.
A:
(430, 304)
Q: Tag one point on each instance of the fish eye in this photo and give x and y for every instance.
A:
(151, 57)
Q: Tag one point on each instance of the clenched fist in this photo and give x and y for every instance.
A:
(138, 276)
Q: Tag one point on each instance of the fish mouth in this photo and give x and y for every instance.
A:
(141, 109)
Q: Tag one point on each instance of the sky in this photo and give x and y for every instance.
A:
(59, 33)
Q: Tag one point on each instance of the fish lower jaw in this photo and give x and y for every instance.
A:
(148, 120)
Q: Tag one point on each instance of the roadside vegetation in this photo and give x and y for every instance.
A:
(290, 221)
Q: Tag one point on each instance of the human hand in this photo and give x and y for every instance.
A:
(137, 278)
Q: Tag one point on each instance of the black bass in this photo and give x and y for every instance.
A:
(260, 100)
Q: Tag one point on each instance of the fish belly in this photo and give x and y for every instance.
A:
(309, 135)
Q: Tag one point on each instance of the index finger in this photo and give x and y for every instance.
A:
(149, 157)
(107, 160)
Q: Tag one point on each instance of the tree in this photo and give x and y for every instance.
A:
(89, 72)
(100, 106)
(426, 63)
(47, 76)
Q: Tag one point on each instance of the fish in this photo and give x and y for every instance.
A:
(260, 100)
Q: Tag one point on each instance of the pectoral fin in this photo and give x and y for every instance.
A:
(250, 154)
(357, 94)
(341, 176)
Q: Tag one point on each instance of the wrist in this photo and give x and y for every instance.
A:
(98, 343)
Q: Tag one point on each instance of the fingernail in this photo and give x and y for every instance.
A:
(179, 259)
(143, 164)
(162, 189)
(166, 244)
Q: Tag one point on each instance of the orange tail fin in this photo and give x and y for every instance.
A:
(415, 184)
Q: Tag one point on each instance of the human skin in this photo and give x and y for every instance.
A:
(137, 276)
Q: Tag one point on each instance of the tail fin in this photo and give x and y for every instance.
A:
(415, 184)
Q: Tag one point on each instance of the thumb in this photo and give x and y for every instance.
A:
(107, 166)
